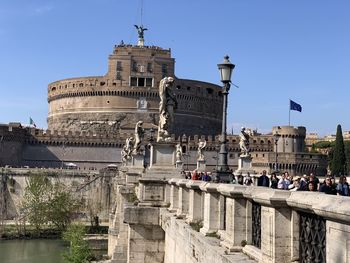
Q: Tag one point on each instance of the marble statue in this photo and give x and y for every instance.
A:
(139, 134)
(201, 146)
(178, 152)
(244, 141)
(127, 149)
(167, 105)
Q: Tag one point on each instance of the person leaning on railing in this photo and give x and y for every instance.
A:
(343, 186)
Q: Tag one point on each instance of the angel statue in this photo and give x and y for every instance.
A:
(127, 149)
(140, 30)
(201, 146)
(139, 134)
(178, 152)
(167, 105)
(244, 141)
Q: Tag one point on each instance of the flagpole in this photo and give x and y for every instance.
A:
(289, 114)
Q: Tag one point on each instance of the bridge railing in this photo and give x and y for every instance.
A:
(267, 224)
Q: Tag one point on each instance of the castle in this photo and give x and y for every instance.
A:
(90, 117)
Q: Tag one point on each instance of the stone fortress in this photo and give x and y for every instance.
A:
(129, 92)
(90, 118)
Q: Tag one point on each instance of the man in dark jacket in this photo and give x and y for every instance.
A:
(264, 180)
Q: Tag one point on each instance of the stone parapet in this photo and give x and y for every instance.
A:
(267, 224)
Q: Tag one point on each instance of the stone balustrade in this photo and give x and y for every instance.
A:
(266, 224)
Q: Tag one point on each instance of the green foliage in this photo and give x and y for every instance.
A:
(347, 155)
(61, 206)
(48, 203)
(339, 159)
(79, 251)
(323, 144)
(35, 200)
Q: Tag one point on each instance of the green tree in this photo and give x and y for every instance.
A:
(347, 155)
(61, 206)
(48, 203)
(79, 250)
(339, 159)
(35, 200)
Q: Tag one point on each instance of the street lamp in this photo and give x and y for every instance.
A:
(226, 68)
(276, 136)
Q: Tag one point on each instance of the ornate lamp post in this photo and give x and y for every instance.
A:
(226, 68)
(276, 136)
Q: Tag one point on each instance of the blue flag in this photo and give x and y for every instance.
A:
(294, 106)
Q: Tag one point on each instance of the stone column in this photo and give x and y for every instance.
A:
(146, 238)
(195, 210)
(235, 229)
(174, 196)
(276, 229)
(276, 234)
(211, 220)
(119, 232)
(183, 206)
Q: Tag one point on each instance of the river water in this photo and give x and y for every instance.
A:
(32, 251)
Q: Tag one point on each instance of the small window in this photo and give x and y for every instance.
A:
(141, 82)
(164, 68)
(102, 83)
(149, 67)
(188, 88)
(53, 88)
(81, 85)
(210, 91)
(133, 81)
(149, 82)
(134, 66)
(119, 76)
(119, 66)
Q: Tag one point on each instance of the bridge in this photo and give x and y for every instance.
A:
(178, 220)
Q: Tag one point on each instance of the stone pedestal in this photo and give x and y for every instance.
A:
(162, 155)
(179, 165)
(136, 161)
(201, 165)
(245, 165)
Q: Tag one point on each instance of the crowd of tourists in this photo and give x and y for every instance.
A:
(283, 181)
(197, 175)
(311, 183)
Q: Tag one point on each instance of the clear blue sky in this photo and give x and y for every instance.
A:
(282, 49)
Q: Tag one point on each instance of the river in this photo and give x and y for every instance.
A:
(32, 251)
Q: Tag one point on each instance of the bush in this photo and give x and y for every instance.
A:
(79, 250)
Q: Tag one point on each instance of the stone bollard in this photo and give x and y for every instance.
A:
(195, 209)
(183, 201)
(276, 219)
(211, 220)
(234, 233)
(174, 195)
